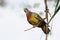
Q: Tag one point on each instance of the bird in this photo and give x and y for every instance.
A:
(36, 21)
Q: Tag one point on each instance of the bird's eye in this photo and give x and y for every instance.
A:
(25, 10)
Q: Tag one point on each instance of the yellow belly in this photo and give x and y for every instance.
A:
(33, 20)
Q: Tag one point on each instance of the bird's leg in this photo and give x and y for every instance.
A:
(31, 28)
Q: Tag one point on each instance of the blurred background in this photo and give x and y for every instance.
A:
(13, 20)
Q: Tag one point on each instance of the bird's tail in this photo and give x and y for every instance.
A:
(45, 29)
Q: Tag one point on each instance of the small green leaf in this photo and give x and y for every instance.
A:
(54, 14)
(57, 8)
(57, 4)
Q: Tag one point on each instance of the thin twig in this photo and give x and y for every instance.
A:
(47, 11)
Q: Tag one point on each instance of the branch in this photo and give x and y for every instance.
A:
(46, 9)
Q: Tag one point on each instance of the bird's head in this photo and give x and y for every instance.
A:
(26, 10)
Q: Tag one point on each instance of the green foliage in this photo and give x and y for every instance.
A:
(40, 13)
(57, 8)
(56, 0)
(57, 4)
(2, 2)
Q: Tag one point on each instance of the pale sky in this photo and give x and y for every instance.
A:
(13, 21)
